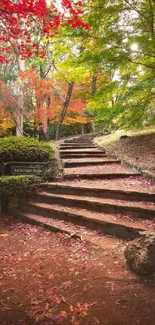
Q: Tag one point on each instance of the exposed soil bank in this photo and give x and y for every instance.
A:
(139, 150)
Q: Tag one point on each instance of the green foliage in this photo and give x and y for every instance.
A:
(66, 130)
(25, 149)
(18, 186)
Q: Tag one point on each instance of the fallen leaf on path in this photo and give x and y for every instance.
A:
(63, 313)
(4, 235)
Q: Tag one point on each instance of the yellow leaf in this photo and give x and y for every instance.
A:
(4, 235)
(85, 313)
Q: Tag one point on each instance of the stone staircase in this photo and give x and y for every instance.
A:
(97, 195)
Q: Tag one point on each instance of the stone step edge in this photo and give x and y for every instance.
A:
(97, 190)
(111, 203)
(101, 176)
(79, 142)
(77, 145)
(78, 151)
(77, 234)
(132, 232)
(89, 163)
(81, 156)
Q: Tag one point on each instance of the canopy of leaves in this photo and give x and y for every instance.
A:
(105, 47)
(24, 22)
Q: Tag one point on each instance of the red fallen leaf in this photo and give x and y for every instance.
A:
(76, 312)
(15, 260)
(61, 319)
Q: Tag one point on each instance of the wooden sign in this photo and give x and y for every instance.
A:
(27, 170)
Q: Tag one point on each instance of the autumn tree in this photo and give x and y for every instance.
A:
(24, 25)
(74, 112)
(8, 107)
(37, 92)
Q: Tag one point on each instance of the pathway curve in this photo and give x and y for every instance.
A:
(96, 197)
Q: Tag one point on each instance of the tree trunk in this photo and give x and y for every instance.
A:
(20, 108)
(82, 128)
(93, 92)
(64, 110)
(93, 85)
(46, 119)
(19, 112)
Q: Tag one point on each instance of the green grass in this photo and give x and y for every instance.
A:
(107, 140)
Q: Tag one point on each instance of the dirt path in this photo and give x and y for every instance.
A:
(50, 279)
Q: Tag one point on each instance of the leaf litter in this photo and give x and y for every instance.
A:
(50, 279)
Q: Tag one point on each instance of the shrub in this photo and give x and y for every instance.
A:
(16, 187)
(25, 149)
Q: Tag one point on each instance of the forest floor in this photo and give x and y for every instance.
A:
(138, 149)
(47, 279)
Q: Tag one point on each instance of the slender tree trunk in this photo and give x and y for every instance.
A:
(82, 128)
(94, 85)
(20, 107)
(93, 92)
(46, 119)
(64, 110)
(151, 20)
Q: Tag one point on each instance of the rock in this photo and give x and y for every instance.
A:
(140, 255)
(123, 136)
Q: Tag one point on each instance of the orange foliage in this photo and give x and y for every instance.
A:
(7, 108)
(6, 121)
(37, 93)
(43, 101)
(75, 112)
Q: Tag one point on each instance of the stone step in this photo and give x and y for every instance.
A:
(71, 230)
(81, 151)
(106, 175)
(81, 156)
(78, 141)
(70, 164)
(71, 146)
(106, 205)
(106, 224)
(75, 155)
(114, 193)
